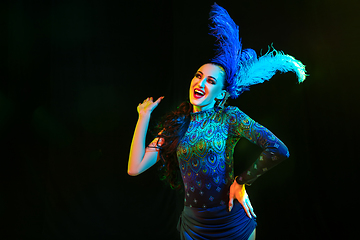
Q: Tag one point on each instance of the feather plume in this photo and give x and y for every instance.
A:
(243, 68)
(228, 44)
(257, 71)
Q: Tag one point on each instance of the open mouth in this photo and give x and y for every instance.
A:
(198, 93)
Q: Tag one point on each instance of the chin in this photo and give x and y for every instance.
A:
(196, 102)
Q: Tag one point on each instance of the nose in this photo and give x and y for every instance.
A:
(202, 83)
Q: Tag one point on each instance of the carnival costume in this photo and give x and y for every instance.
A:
(205, 153)
(206, 163)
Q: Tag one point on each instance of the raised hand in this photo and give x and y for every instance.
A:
(147, 106)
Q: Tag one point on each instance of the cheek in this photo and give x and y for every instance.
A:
(192, 84)
(215, 91)
(193, 81)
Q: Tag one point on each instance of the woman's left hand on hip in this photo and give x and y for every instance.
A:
(238, 192)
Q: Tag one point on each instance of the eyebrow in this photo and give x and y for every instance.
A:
(209, 76)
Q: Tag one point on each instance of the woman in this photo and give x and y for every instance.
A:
(199, 138)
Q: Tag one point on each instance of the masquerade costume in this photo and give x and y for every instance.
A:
(205, 157)
(205, 153)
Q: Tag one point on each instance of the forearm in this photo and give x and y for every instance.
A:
(269, 158)
(137, 149)
(274, 151)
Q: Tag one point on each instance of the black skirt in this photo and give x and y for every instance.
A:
(215, 223)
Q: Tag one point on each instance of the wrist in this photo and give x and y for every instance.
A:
(144, 115)
(239, 180)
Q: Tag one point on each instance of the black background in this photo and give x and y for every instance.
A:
(75, 71)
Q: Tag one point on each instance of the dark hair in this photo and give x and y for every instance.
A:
(172, 128)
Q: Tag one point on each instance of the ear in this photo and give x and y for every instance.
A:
(221, 95)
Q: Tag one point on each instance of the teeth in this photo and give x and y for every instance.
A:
(199, 92)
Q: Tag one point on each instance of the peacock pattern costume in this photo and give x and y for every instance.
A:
(205, 154)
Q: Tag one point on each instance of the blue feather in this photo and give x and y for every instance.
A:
(243, 68)
(257, 71)
(228, 47)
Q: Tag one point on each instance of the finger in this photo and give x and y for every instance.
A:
(231, 198)
(156, 103)
(252, 212)
(250, 207)
(245, 207)
(248, 202)
(231, 203)
(159, 99)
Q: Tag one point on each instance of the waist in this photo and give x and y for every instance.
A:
(206, 199)
(210, 212)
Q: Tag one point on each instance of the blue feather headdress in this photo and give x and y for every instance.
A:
(242, 67)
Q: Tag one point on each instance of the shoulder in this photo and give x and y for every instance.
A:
(237, 118)
(237, 121)
(234, 112)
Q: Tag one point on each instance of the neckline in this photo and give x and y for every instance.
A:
(202, 114)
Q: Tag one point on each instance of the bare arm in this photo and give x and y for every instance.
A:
(141, 158)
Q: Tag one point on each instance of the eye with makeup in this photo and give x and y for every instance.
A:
(211, 81)
(197, 75)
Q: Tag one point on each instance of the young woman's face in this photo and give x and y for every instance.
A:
(206, 87)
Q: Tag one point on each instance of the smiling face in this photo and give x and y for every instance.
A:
(206, 87)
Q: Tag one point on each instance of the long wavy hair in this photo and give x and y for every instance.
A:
(172, 128)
